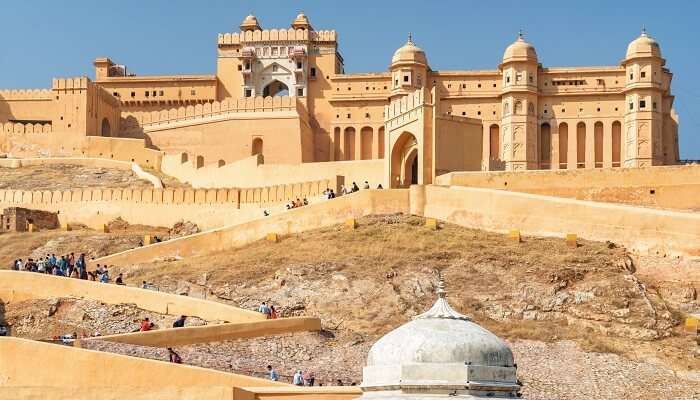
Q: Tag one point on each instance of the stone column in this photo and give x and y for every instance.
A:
(376, 138)
(590, 145)
(607, 144)
(554, 143)
(573, 145)
(358, 143)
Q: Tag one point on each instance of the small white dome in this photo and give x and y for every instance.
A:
(409, 53)
(643, 46)
(520, 50)
(438, 351)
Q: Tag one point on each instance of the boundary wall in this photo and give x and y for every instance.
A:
(213, 333)
(675, 187)
(326, 213)
(21, 357)
(20, 286)
(639, 228)
(249, 172)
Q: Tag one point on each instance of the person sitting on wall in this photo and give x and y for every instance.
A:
(306, 201)
(180, 322)
(174, 357)
(266, 213)
(120, 279)
(265, 309)
(104, 278)
(273, 374)
(273, 312)
(366, 185)
(146, 325)
(332, 194)
(380, 186)
(355, 188)
(344, 190)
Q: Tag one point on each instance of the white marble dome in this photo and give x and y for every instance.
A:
(440, 352)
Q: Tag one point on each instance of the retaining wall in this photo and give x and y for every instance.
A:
(676, 187)
(640, 228)
(214, 333)
(20, 286)
(325, 213)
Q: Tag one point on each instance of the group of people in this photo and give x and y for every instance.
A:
(305, 378)
(268, 310)
(297, 203)
(68, 265)
(354, 188)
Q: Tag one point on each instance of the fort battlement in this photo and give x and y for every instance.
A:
(19, 127)
(78, 83)
(276, 35)
(25, 94)
(135, 120)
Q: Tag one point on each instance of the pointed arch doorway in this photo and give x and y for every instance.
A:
(405, 166)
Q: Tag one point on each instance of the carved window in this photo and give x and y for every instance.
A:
(518, 107)
(531, 109)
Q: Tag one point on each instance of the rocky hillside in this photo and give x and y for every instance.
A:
(580, 320)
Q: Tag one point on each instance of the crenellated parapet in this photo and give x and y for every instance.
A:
(78, 83)
(25, 94)
(399, 107)
(209, 110)
(276, 35)
(21, 128)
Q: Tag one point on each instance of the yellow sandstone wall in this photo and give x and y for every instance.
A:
(21, 358)
(20, 286)
(326, 213)
(214, 333)
(114, 392)
(640, 228)
(664, 186)
(251, 172)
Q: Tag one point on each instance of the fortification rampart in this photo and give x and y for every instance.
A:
(20, 286)
(146, 119)
(20, 127)
(674, 187)
(25, 94)
(277, 35)
(314, 216)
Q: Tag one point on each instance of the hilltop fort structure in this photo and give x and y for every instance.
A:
(283, 94)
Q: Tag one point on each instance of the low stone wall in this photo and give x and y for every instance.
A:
(214, 333)
(674, 187)
(640, 228)
(325, 213)
(20, 286)
(20, 358)
(209, 208)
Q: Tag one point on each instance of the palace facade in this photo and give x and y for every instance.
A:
(283, 94)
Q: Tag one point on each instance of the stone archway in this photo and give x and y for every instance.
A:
(405, 166)
(275, 88)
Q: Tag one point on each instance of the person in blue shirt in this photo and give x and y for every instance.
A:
(273, 373)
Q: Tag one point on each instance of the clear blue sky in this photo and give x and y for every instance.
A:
(45, 39)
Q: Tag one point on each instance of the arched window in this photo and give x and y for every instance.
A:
(563, 145)
(506, 108)
(616, 143)
(275, 88)
(580, 145)
(598, 144)
(531, 108)
(545, 146)
(494, 143)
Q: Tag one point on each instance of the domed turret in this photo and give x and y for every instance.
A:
(520, 50)
(250, 23)
(301, 22)
(643, 46)
(439, 352)
(409, 53)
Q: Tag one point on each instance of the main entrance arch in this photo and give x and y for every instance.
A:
(275, 88)
(405, 167)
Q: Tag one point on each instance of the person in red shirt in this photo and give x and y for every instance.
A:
(146, 325)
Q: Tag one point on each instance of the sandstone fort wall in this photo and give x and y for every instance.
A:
(673, 187)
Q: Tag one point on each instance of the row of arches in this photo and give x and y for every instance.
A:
(365, 143)
(570, 150)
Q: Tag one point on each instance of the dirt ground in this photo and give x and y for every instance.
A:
(68, 176)
(592, 319)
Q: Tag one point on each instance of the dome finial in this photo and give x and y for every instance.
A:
(441, 309)
(441, 292)
(410, 38)
(520, 34)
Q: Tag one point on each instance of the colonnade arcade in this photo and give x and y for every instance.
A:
(567, 144)
(357, 142)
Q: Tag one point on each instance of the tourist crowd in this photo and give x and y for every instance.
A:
(67, 265)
